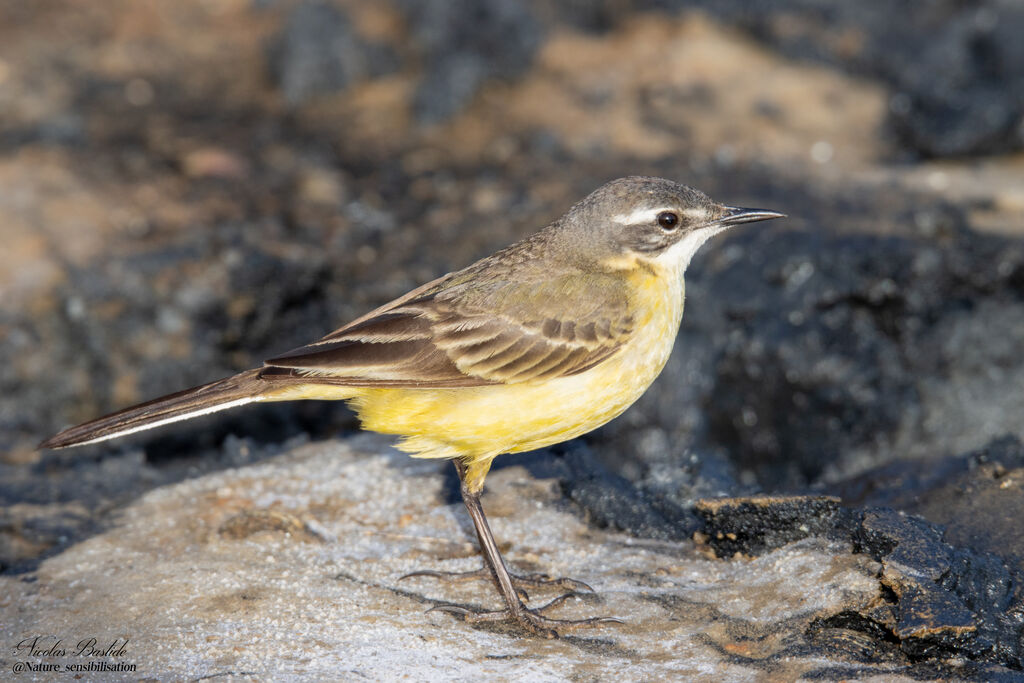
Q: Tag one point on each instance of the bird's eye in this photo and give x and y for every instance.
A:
(668, 221)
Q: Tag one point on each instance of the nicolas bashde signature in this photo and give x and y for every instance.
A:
(53, 646)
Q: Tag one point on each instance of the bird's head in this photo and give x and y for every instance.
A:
(648, 220)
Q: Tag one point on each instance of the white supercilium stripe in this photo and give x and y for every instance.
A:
(639, 216)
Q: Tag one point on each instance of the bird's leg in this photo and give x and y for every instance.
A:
(532, 620)
(472, 476)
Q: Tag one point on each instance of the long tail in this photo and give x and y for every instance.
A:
(240, 389)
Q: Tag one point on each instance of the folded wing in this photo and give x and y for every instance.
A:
(506, 332)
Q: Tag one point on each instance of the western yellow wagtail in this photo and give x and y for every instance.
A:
(541, 342)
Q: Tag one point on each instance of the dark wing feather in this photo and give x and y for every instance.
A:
(459, 335)
(391, 349)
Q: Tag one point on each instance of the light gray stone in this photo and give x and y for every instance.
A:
(290, 569)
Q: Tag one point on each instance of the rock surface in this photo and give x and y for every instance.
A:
(292, 567)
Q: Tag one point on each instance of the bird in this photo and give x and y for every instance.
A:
(539, 343)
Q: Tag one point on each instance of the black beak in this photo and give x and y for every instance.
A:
(735, 216)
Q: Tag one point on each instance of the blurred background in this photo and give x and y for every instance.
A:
(187, 188)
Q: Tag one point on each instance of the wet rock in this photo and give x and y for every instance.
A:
(937, 601)
(976, 496)
(927, 620)
(937, 614)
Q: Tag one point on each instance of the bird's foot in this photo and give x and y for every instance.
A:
(532, 621)
(520, 581)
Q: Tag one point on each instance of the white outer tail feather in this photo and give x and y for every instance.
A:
(168, 420)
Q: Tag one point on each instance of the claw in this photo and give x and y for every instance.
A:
(420, 572)
(451, 609)
(554, 603)
(450, 576)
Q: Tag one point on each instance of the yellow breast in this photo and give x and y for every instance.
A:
(489, 420)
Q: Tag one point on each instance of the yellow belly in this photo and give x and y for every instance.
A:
(479, 423)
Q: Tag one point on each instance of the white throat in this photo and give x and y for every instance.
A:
(677, 257)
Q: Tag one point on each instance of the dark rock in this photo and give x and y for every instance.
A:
(52, 504)
(610, 501)
(319, 52)
(29, 533)
(977, 496)
(936, 613)
(462, 43)
(963, 93)
(929, 621)
(587, 15)
(755, 525)
(832, 354)
(943, 601)
(857, 637)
